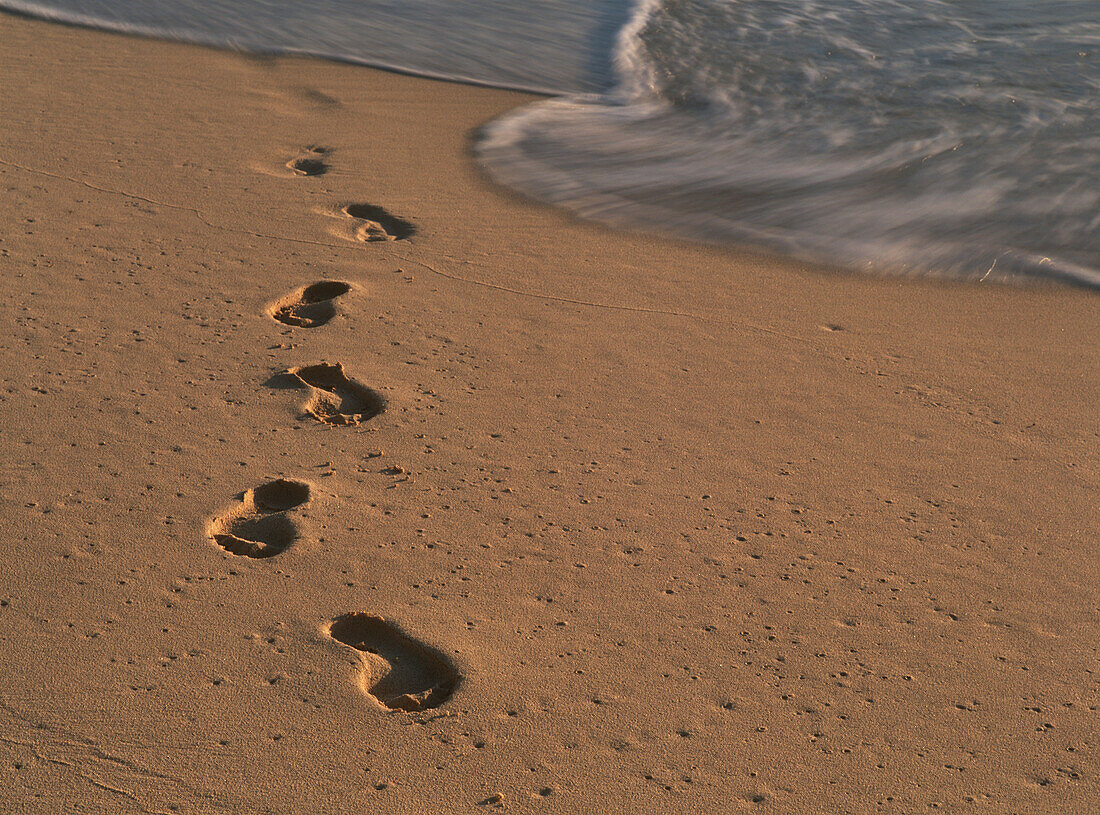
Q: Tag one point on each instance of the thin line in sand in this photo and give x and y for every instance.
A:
(448, 275)
(46, 737)
(594, 304)
(522, 293)
(183, 208)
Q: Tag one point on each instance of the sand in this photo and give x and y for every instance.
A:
(513, 512)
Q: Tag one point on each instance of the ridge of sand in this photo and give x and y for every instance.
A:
(645, 526)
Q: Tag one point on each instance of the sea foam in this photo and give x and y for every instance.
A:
(923, 137)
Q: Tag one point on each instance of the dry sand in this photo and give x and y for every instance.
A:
(642, 526)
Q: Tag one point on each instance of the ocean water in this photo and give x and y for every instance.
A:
(546, 46)
(952, 138)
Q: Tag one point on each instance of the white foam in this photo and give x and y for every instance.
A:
(878, 134)
(913, 136)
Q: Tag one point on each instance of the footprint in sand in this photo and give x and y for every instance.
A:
(311, 306)
(334, 398)
(261, 526)
(311, 161)
(398, 671)
(370, 223)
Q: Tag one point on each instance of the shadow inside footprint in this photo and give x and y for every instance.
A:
(311, 162)
(335, 399)
(280, 495)
(260, 527)
(398, 671)
(310, 307)
(258, 537)
(378, 225)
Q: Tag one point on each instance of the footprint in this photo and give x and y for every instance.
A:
(310, 162)
(311, 306)
(260, 527)
(318, 98)
(334, 398)
(375, 224)
(398, 671)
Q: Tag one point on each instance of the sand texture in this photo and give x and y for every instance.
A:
(337, 480)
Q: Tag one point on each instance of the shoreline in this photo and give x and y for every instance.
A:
(1073, 277)
(389, 68)
(658, 526)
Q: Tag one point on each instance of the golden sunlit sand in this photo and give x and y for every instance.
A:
(338, 480)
